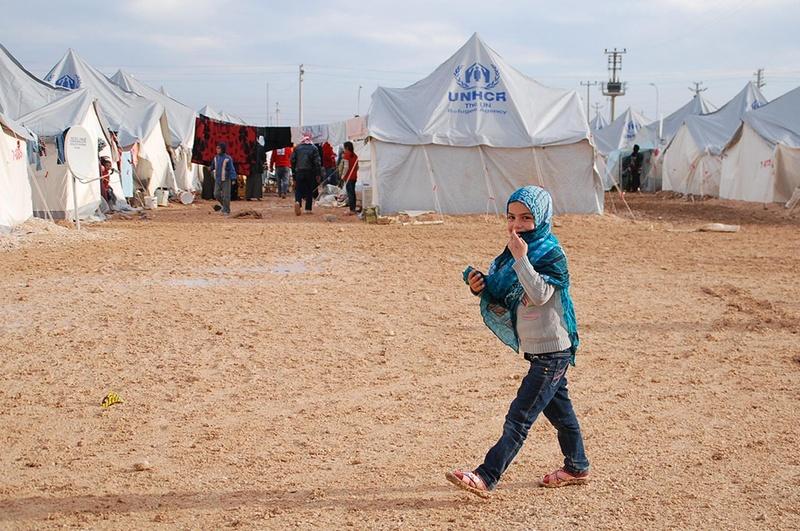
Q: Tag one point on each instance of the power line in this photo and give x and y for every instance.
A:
(588, 85)
(760, 81)
(697, 90)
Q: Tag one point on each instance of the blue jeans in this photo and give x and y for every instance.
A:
(543, 390)
(282, 174)
(222, 193)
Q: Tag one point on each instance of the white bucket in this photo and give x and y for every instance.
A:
(162, 197)
(150, 202)
(366, 196)
(187, 198)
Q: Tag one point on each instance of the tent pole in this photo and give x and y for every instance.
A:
(492, 197)
(436, 204)
(75, 201)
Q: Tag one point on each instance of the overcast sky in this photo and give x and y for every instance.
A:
(224, 53)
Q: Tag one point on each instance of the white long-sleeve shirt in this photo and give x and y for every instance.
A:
(540, 317)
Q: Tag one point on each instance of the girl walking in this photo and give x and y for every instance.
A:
(525, 301)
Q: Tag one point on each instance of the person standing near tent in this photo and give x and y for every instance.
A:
(307, 171)
(281, 162)
(105, 177)
(525, 301)
(329, 164)
(224, 177)
(350, 174)
(635, 168)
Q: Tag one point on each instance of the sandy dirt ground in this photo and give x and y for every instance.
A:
(296, 373)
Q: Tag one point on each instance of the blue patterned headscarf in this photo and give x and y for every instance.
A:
(503, 293)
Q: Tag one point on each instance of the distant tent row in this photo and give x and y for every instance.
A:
(135, 119)
(151, 131)
(693, 159)
(222, 116)
(458, 141)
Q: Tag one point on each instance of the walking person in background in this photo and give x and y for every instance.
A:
(350, 175)
(281, 163)
(307, 171)
(329, 164)
(224, 177)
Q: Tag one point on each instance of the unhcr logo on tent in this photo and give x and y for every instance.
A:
(477, 81)
(69, 82)
(632, 129)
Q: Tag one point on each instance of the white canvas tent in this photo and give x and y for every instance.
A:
(648, 136)
(465, 137)
(15, 190)
(692, 163)
(761, 163)
(613, 140)
(620, 133)
(135, 119)
(597, 123)
(20, 91)
(52, 182)
(181, 120)
(221, 116)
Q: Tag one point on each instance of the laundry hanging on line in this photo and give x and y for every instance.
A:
(241, 140)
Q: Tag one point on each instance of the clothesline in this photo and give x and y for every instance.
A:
(335, 133)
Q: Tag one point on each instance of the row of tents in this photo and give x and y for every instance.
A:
(748, 149)
(458, 141)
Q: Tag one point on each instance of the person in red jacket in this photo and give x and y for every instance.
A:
(350, 173)
(281, 162)
(329, 164)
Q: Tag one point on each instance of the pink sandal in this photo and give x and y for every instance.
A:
(562, 478)
(468, 481)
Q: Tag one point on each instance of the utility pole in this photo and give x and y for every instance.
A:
(358, 104)
(301, 96)
(277, 113)
(658, 112)
(588, 84)
(760, 81)
(268, 104)
(615, 87)
(697, 90)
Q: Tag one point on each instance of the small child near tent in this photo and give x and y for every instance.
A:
(525, 301)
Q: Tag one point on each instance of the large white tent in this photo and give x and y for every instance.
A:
(15, 190)
(465, 137)
(52, 181)
(181, 120)
(692, 163)
(762, 161)
(136, 120)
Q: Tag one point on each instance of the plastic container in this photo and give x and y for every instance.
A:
(162, 197)
(150, 202)
(366, 196)
(187, 198)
